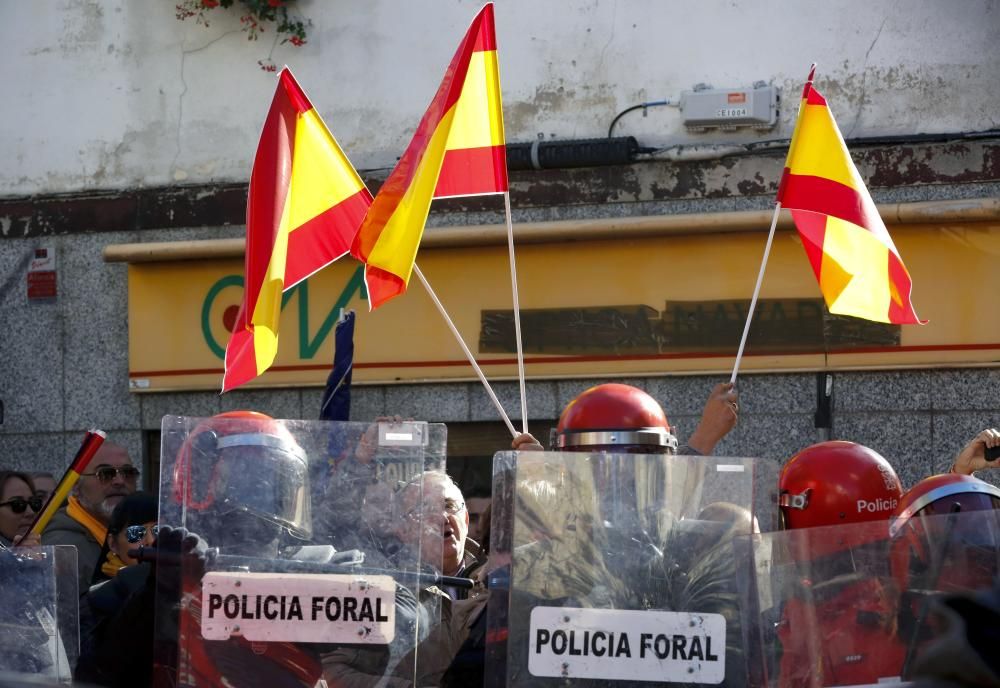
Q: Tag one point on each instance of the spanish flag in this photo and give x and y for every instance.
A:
(457, 150)
(305, 205)
(858, 267)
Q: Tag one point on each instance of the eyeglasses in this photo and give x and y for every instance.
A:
(135, 534)
(107, 473)
(18, 504)
(451, 508)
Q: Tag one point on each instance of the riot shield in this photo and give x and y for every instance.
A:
(39, 604)
(311, 559)
(617, 570)
(853, 605)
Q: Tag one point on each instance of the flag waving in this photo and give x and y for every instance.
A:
(475, 158)
(457, 150)
(305, 205)
(858, 268)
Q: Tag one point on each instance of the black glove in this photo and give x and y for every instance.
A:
(179, 555)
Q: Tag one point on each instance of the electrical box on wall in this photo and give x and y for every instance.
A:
(730, 108)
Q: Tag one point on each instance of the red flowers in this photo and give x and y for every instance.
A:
(255, 17)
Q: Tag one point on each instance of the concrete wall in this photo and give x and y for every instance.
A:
(110, 94)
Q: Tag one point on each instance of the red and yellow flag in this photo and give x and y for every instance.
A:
(457, 150)
(305, 205)
(858, 268)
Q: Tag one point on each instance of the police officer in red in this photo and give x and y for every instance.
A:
(945, 539)
(243, 480)
(620, 418)
(649, 557)
(838, 624)
(945, 554)
(934, 547)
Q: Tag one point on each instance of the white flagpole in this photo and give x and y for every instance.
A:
(756, 291)
(517, 312)
(468, 354)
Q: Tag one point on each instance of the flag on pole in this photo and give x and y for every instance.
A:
(475, 158)
(305, 205)
(92, 441)
(858, 267)
(457, 149)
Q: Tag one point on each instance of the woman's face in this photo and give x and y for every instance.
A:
(120, 544)
(15, 493)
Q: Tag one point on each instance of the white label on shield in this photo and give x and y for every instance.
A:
(617, 644)
(405, 434)
(298, 607)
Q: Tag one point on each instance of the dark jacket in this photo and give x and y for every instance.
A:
(64, 530)
(472, 561)
(116, 630)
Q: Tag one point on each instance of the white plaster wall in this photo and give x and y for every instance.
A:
(108, 94)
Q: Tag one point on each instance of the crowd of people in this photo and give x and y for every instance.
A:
(133, 571)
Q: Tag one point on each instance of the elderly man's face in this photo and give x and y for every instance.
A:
(109, 477)
(444, 526)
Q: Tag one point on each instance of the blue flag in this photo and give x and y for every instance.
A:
(336, 403)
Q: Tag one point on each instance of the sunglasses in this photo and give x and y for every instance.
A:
(135, 534)
(107, 473)
(18, 505)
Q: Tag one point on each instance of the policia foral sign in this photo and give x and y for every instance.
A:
(627, 645)
(299, 608)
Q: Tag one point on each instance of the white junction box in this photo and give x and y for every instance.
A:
(730, 108)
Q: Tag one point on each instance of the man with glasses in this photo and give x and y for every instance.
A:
(435, 500)
(83, 522)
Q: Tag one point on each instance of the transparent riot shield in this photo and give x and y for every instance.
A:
(39, 606)
(853, 605)
(295, 551)
(618, 570)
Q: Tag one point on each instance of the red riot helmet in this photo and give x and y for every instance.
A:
(245, 462)
(936, 532)
(614, 418)
(944, 494)
(838, 483)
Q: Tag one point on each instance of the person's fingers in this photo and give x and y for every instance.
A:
(190, 542)
(524, 442)
(723, 389)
